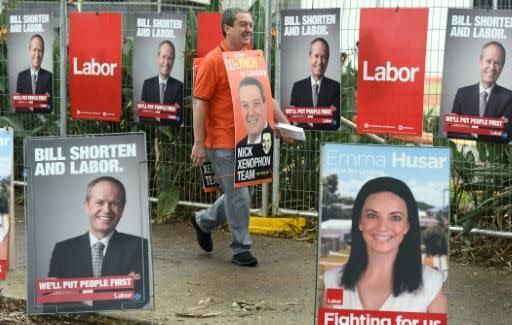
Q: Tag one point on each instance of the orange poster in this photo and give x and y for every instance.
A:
(253, 114)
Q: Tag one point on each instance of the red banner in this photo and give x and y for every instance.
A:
(93, 296)
(35, 101)
(392, 47)
(95, 66)
(360, 317)
(86, 283)
(53, 290)
(3, 269)
(156, 111)
(209, 32)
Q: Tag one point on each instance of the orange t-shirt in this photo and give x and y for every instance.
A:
(212, 85)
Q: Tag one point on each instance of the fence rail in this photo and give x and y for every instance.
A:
(295, 188)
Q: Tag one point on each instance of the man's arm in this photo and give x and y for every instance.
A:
(198, 156)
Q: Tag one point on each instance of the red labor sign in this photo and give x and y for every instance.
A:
(95, 66)
(392, 44)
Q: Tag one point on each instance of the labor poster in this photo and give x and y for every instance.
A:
(95, 65)
(88, 224)
(310, 67)
(253, 114)
(209, 32)
(6, 199)
(383, 245)
(476, 98)
(30, 44)
(158, 67)
(390, 81)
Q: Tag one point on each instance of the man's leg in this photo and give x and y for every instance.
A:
(235, 203)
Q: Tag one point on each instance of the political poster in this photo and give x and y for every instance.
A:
(30, 44)
(310, 67)
(158, 67)
(253, 115)
(95, 66)
(391, 61)
(6, 199)
(88, 224)
(209, 32)
(383, 235)
(476, 98)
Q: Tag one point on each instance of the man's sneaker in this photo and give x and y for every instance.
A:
(244, 259)
(204, 239)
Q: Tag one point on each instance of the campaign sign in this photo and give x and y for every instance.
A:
(95, 65)
(6, 199)
(383, 246)
(476, 99)
(88, 224)
(30, 44)
(310, 67)
(390, 81)
(158, 67)
(209, 32)
(253, 114)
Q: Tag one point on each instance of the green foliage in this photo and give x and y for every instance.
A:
(481, 186)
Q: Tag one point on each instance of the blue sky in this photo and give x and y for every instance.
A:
(429, 185)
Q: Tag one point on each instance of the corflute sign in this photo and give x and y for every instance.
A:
(95, 66)
(392, 44)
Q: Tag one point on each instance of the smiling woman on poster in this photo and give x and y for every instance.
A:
(384, 270)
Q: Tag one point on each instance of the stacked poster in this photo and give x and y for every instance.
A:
(30, 52)
(310, 68)
(383, 243)
(476, 102)
(158, 68)
(392, 47)
(95, 65)
(88, 224)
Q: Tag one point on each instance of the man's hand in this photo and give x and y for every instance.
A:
(198, 155)
(285, 139)
(279, 117)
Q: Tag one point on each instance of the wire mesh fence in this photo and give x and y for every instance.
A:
(481, 173)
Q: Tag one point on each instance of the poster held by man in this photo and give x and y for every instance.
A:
(253, 114)
(90, 250)
(30, 46)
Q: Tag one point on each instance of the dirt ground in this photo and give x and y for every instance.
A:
(196, 288)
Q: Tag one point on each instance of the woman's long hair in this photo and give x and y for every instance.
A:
(407, 269)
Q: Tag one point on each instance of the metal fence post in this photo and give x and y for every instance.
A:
(268, 58)
(62, 68)
(277, 142)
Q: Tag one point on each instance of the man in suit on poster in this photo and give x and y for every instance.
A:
(486, 98)
(254, 112)
(317, 84)
(103, 251)
(35, 80)
(163, 88)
